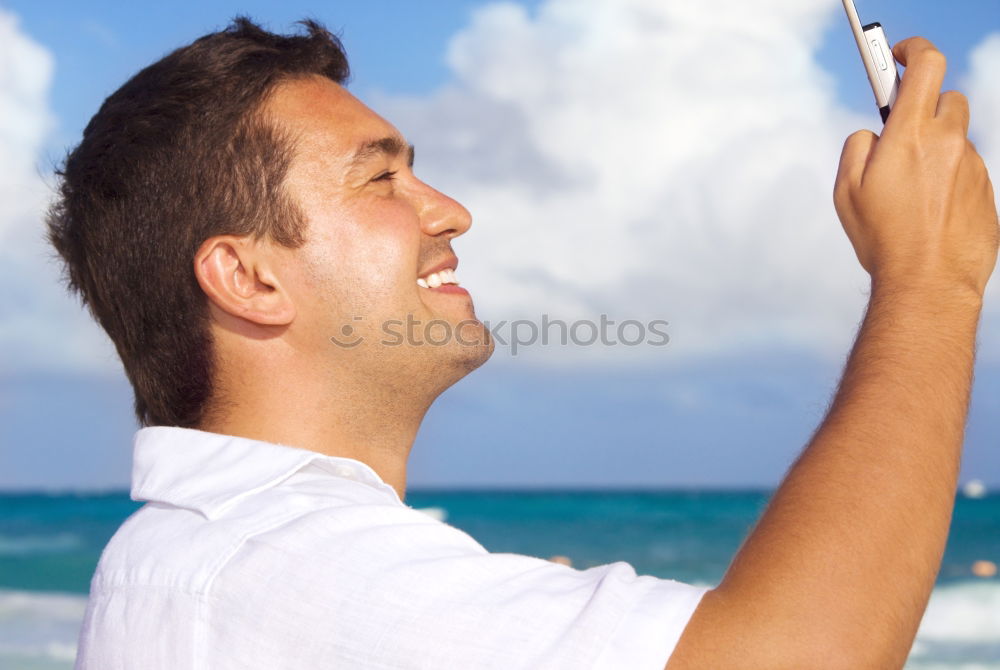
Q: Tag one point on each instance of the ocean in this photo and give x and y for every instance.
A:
(50, 544)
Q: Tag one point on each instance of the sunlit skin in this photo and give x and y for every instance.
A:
(372, 228)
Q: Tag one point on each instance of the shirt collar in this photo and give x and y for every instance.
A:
(210, 473)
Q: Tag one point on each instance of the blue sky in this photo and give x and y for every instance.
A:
(399, 48)
(520, 113)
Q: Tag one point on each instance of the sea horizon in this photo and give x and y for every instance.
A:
(50, 543)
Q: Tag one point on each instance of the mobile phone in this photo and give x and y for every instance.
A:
(877, 57)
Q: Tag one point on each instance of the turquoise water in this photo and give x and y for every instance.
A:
(50, 544)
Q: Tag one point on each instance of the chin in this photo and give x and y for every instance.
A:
(474, 347)
(432, 360)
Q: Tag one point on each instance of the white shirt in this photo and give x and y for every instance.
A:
(255, 555)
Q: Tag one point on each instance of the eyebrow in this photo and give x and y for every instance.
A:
(391, 145)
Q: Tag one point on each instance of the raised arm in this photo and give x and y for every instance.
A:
(838, 570)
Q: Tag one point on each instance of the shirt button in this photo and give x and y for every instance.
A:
(345, 471)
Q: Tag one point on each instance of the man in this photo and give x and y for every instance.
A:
(244, 228)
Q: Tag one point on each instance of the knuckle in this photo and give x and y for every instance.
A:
(916, 43)
(933, 57)
(859, 137)
(845, 196)
(841, 189)
(956, 98)
(980, 165)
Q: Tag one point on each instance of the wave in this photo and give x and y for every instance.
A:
(30, 545)
(959, 631)
(439, 513)
(963, 611)
(39, 630)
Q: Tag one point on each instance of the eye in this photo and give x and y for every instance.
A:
(386, 176)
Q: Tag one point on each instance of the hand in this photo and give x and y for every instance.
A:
(917, 203)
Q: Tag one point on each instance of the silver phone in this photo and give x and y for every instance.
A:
(877, 57)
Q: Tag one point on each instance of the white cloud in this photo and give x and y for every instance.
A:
(40, 326)
(651, 159)
(982, 87)
(645, 159)
(25, 73)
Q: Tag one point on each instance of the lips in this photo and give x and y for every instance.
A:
(448, 263)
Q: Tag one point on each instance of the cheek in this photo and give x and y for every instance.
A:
(387, 243)
(370, 257)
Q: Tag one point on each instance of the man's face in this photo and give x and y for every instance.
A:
(374, 272)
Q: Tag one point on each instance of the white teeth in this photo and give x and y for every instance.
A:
(435, 279)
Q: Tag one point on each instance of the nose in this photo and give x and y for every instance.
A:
(441, 215)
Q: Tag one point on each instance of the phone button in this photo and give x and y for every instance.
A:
(876, 50)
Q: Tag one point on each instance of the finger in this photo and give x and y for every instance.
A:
(973, 166)
(953, 109)
(854, 159)
(921, 82)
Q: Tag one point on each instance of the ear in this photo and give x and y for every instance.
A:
(237, 276)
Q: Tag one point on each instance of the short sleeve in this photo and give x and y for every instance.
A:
(389, 587)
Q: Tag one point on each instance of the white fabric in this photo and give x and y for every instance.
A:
(256, 555)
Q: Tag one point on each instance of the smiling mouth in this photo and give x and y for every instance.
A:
(439, 278)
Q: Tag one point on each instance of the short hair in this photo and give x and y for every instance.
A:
(180, 153)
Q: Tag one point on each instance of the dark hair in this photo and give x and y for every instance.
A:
(178, 154)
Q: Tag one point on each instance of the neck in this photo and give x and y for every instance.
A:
(348, 418)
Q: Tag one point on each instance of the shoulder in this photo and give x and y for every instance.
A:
(311, 571)
(167, 546)
(392, 585)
